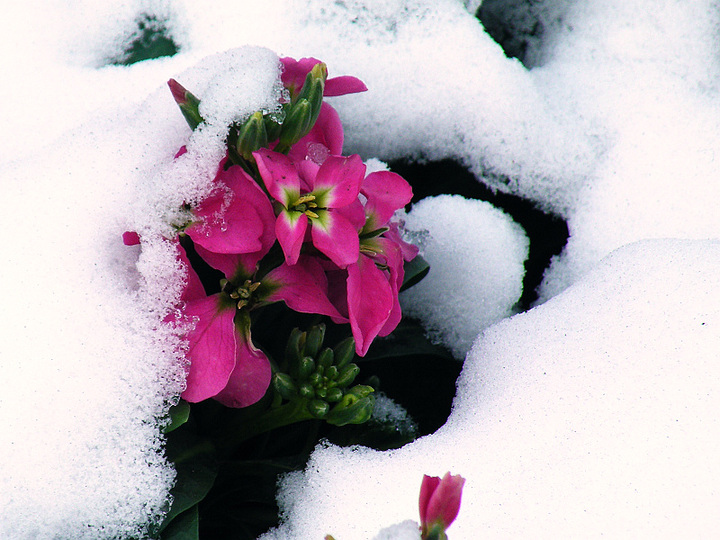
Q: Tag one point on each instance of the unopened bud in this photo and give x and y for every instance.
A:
(298, 123)
(326, 359)
(351, 410)
(318, 408)
(347, 375)
(188, 103)
(285, 386)
(307, 367)
(307, 391)
(344, 352)
(334, 395)
(314, 340)
(292, 349)
(331, 373)
(252, 136)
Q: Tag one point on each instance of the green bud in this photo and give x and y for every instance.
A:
(292, 350)
(321, 392)
(307, 391)
(285, 386)
(298, 123)
(332, 373)
(314, 340)
(326, 358)
(347, 375)
(252, 136)
(318, 408)
(313, 90)
(188, 103)
(351, 410)
(307, 367)
(344, 352)
(273, 127)
(360, 391)
(315, 379)
(334, 395)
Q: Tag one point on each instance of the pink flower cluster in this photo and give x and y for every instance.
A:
(306, 226)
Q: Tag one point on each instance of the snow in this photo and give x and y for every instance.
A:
(610, 124)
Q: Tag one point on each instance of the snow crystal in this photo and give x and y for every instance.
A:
(476, 254)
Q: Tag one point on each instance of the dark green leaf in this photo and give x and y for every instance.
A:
(415, 271)
(179, 414)
(408, 339)
(183, 527)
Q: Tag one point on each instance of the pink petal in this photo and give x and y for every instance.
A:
(251, 377)
(444, 503)
(345, 84)
(386, 192)
(427, 488)
(303, 287)
(336, 237)
(294, 72)
(244, 225)
(370, 301)
(327, 133)
(130, 238)
(194, 289)
(338, 181)
(290, 228)
(279, 174)
(211, 348)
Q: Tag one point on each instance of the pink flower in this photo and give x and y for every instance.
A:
(295, 71)
(439, 504)
(374, 280)
(314, 200)
(224, 363)
(237, 217)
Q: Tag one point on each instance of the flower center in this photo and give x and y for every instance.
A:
(243, 294)
(305, 204)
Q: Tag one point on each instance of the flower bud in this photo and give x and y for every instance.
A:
(313, 89)
(285, 386)
(188, 103)
(439, 504)
(273, 126)
(347, 375)
(314, 340)
(298, 123)
(334, 395)
(331, 373)
(351, 410)
(326, 359)
(344, 352)
(292, 349)
(307, 391)
(307, 367)
(252, 136)
(318, 408)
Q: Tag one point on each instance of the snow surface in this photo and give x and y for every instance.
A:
(612, 124)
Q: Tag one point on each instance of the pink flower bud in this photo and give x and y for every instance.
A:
(439, 502)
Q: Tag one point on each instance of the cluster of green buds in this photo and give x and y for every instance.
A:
(318, 379)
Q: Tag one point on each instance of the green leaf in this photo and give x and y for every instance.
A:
(179, 414)
(185, 526)
(196, 466)
(408, 339)
(415, 271)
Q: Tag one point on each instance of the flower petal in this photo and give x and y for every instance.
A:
(303, 287)
(211, 348)
(427, 488)
(386, 192)
(290, 228)
(280, 176)
(236, 218)
(251, 377)
(325, 138)
(370, 301)
(334, 235)
(345, 84)
(444, 503)
(338, 181)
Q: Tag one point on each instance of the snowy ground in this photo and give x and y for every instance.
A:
(592, 414)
